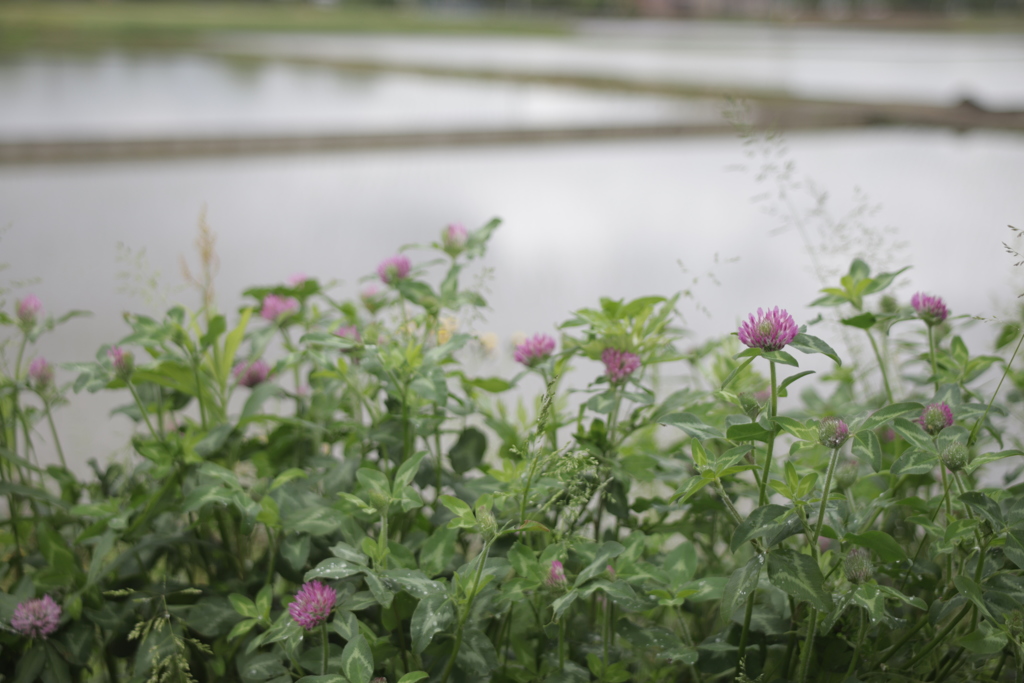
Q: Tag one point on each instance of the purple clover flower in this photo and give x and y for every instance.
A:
(373, 299)
(832, 432)
(454, 238)
(535, 350)
(935, 417)
(313, 604)
(769, 331)
(29, 309)
(296, 279)
(394, 268)
(123, 362)
(931, 309)
(275, 306)
(619, 364)
(556, 575)
(41, 373)
(251, 374)
(349, 332)
(36, 618)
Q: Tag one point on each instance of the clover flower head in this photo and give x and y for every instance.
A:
(29, 309)
(556, 575)
(955, 456)
(832, 432)
(373, 299)
(123, 362)
(619, 364)
(931, 309)
(858, 566)
(535, 350)
(935, 417)
(296, 279)
(41, 373)
(36, 618)
(349, 332)
(275, 306)
(454, 238)
(251, 374)
(394, 268)
(769, 331)
(313, 604)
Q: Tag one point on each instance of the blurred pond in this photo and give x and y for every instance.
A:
(114, 96)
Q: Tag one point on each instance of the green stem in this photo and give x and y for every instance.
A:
(881, 365)
(937, 640)
(199, 393)
(56, 439)
(142, 409)
(773, 408)
(931, 353)
(861, 634)
(1006, 370)
(805, 657)
(464, 615)
(815, 548)
(744, 634)
(323, 647)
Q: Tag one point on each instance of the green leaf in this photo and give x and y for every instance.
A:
(438, 550)
(287, 476)
(406, 473)
(914, 461)
(606, 552)
(494, 385)
(810, 344)
(477, 655)
(231, 344)
(870, 598)
(741, 585)
(295, 550)
(882, 280)
(523, 561)
(561, 604)
(459, 508)
(972, 592)
(374, 480)
(799, 576)
(30, 664)
(792, 378)
(259, 395)
(867, 447)
(884, 545)
(986, 507)
(864, 321)
(757, 524)
(433, 615)
(357, 660)
(780, 357)
(334, 568)
(890, 412)
(692, 425)
(468, 451)
(986, 640)
(413, 676)
(986, 458)
(913, 433)
(692, 486)
(414, 582)
(243, 605)
(749, 431)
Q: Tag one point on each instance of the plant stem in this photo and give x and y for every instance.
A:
(142, 409)
(931, 353)
(762, 498)
(937, 640)
(1006, 370)
(861, 634)
(53, 430)
(815, 548)
(881, 365)
(805, 656)
(467, 608)
(323, 645)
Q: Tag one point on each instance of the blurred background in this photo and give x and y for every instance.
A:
(740, 151)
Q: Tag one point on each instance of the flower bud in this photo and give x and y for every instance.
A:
(454, 238)
(41, 374)
(373, 299)
(556, 575)
(28, 310)
(123, 362)
(251, 374)
(858, 565)
(955, 456)
(847, 474)
(935, 417)
(931, 309)
(832, 432)
(380, 500)
(888, 304)
(484, 517)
